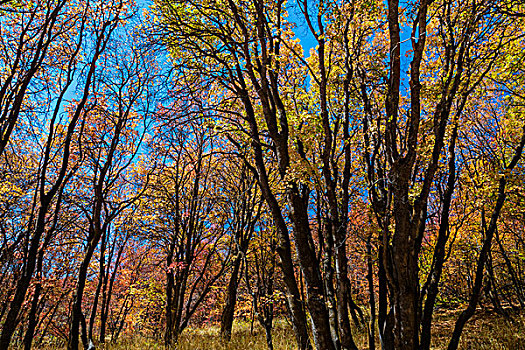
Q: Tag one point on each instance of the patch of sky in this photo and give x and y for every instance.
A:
(301, 29)
(406, 55)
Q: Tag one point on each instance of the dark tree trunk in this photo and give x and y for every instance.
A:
(10, 322)
(485, 249)
(33, 313)
(168, 335)
(100, 283)
(77, 316)
(310, 267)
(33, 318)
(371, 295)
(293, 295)
(268, 333)
(386, 337)
(344, 297)
(439, 249)
(231, 298)
(329, 280)
(492, 288)
(107, 293)
(516, 283)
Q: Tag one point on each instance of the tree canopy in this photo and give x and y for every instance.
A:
(351, 166)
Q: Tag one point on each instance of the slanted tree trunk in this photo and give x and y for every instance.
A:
(283, 248)
(77, 316)
(231, 298)
(33, 312)
(33, 318)
(487, 243)
(516, 283)
(100, 283)
(329, 279)
(107, 291)
(310, 267)
(431, 287)
(246, 207)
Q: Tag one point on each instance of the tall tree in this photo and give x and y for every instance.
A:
(245, 51)
(89, 39)
(244, 205)
(185, 221)
(400, 174)
(112, 138)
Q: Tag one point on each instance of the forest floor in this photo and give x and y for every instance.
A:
(486, 330)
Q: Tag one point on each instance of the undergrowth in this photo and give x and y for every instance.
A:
(485, 331)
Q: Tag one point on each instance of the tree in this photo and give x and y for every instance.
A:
(58, 146)
(184, 221)
(244, 204)
(403, 160)
(112, 139)
(261, 279)
(188, 38)
(32, 31)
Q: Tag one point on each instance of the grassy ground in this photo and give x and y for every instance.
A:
(485, 331)
(208, 339)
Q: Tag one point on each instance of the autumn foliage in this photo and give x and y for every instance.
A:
(351, 168)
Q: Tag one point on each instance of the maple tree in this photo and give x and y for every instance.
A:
(50, 186)
(110, 146)
(245, 205)
(184, 222)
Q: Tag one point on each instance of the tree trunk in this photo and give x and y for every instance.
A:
(439, 249)
(310, 267)
(11, 320)
(268, 333)
(106, 294)
(231, 298)
(33, 318)
(101, 278)
(487, 243)
(371, 295)
(77, 316)
(329, 286)
(293, 296)
(518, 287)
(344, 297)
(168, 334)
(386, 337)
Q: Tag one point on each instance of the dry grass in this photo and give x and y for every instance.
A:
(208, 339)
(485, 331)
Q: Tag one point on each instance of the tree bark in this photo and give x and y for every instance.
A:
(231, 298)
